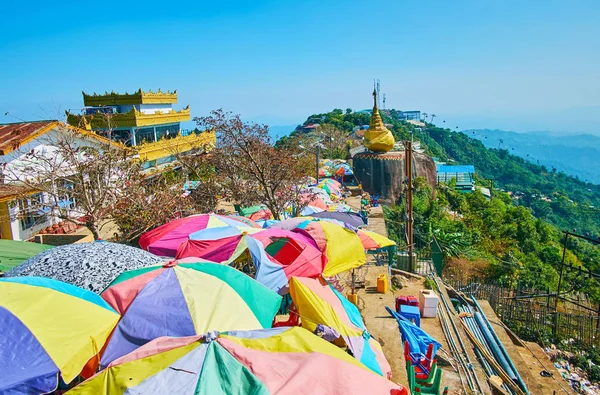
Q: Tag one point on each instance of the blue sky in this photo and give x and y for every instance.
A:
(499, 64)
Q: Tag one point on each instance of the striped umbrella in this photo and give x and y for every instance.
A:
(373, 241)
(184, 300)
(277, 255)
(319, 303)
(341, 245)
(261, 362)
(48, 330)
(165, 239)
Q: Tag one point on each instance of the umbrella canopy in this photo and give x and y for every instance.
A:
(342, 246)
(185, 300)
(326, 171)
(90, 266)
(48, 329)
(313, 200)
(165, 239)
(342, 208)
(261, 362)
(261, 215)
(13, 253)
(276, 254)
(266, 223)
(343, 169)
(319, 303)
(330, 181)
(352, 219)
(308, 210)
(330, 188)
(374, 241)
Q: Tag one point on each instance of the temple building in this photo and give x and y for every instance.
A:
(145, 120)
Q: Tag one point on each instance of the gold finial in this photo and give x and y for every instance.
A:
(374, 94)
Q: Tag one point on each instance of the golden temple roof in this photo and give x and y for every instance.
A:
(378, 138)
(137, 97)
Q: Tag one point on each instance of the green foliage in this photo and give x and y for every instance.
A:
(594, 373)
(518, 231)
(429, 283)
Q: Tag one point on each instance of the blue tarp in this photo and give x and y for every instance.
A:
(418, 339)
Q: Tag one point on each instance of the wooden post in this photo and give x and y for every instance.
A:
(409, 205)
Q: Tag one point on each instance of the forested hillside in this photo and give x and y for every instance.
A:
(565, 201)
(515, 236)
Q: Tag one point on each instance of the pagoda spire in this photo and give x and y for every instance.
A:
(378, 138)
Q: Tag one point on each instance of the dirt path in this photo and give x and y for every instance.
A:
(385, 329)
(524, 359)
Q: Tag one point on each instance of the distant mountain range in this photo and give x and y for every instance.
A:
(575, 154)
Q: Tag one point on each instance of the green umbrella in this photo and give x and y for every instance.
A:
(12, 252)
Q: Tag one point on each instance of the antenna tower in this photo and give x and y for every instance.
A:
(384, 101)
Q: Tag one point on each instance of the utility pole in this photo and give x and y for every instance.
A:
(318, 147)
(409, 204)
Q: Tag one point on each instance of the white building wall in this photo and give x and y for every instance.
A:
(152, 108)
(15, 160)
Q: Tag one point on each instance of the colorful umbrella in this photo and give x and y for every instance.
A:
(48, 329)
(266, 223)
(165, 239)
(312, 200)
(13, 253)
(261, 362)
(373, 241)
(342, 246)
(185, 300)
(90, 266)
(343, 169)
(352, 219)
(276, 254)
(342, 208)
(261, 215)
(331, 181)
(318, 302)
(330, 188)
(325, 171)
(308, 210)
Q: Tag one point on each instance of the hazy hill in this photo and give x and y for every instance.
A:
(576, 154)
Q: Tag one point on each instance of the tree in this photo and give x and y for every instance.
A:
(81, 176)
(150, 202)
(250, 168)
(334, 140)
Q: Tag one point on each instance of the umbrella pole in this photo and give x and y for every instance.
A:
(353, 282)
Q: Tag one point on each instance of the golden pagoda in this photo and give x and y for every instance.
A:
(378, 138)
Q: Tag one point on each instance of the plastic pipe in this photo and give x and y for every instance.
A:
(494, 347)
(510, 362)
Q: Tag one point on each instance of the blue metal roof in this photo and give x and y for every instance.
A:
(455, 169)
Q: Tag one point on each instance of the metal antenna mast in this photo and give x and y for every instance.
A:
(384, 101)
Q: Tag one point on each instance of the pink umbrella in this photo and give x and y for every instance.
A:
(314, 200)
(166, 239)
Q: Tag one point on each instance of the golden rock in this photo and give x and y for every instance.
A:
(378, 138)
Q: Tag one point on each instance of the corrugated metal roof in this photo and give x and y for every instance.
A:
(12, 135)
(455, 169)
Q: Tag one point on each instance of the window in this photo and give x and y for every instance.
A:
(145, 135)
(122, 136)
(32, 211)
(167, 132)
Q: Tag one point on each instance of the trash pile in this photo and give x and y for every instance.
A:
(581, 373)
